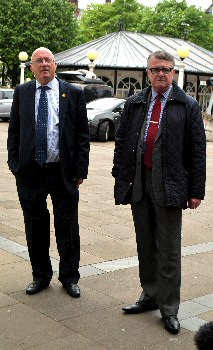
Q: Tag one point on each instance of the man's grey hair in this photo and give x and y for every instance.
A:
(162, 55)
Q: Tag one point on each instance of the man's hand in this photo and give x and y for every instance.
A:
(193, 203)
(77, 181)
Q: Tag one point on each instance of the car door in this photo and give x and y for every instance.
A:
(117, 114)
(6, 99)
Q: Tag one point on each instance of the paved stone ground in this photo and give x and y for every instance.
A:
(52, 320)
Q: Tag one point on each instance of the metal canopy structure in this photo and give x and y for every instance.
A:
(128, 50)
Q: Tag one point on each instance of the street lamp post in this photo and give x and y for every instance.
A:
(23, 56)
(183, 52)
(92, 55)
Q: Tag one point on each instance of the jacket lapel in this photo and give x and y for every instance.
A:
(31, 101)
(63, 102)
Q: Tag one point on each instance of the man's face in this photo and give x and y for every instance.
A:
(160, 80)
(43, 66)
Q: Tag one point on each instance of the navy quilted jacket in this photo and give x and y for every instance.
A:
(183, 148)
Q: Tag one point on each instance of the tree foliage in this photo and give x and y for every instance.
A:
(26, 25)
(105, 19)
(176, 19)
(173, 18)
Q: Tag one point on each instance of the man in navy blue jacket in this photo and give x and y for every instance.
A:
(64, 169)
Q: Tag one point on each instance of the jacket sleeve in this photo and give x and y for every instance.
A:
(119, 139)
(13, 141)
(197, 151)
(82, 145)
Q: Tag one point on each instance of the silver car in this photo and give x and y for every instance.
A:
(6, 99)
(103, 117)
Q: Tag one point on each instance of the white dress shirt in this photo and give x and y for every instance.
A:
(53, 118)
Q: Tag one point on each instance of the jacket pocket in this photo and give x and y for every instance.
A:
(122, 192)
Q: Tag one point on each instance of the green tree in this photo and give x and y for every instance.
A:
(26, 25)
(98, 20)
(173, 18)
(176, 19)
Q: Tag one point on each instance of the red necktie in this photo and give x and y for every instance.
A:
(152, 132)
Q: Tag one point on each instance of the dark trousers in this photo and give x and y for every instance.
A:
(158, 236)
(33, 199)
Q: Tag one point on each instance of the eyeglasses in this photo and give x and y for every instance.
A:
(159, 69)
(45, 59)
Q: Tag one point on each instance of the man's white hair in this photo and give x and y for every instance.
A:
(41, 48)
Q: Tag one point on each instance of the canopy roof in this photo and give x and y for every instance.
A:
(128, 50)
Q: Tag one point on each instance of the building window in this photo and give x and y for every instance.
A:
(106, 80)
(189, 88)
(204, 94)
(127, 87)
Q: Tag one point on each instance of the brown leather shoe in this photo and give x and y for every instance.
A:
(36, 287)
(139, 307)
(73, 290)
(172, 324)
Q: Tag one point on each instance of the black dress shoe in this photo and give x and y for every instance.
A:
(139, 307)
(36, 287)
(73, 290)
(172, 324)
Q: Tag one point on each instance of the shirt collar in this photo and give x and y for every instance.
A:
(52, 84)
(165, 94)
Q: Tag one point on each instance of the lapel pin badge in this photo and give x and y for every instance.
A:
(64, 95)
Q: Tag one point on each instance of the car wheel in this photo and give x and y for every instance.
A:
(103, 133)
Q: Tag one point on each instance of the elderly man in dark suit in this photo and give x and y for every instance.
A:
(159, 168)
(48, 153)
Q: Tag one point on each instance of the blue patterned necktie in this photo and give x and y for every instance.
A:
(41, 127)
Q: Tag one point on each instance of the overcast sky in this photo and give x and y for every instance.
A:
(204, 4)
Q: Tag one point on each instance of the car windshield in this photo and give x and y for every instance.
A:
(102, 104)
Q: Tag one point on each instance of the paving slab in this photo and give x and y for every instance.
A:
(109, 250)
(15, 276)
(119, 331)
(207, 316)
(6, 300)
(8, 258)
(55, 303)
(193, 323)
(24, 327)
(195, 234)
(183, 342)
(74, 341)
(206, 300)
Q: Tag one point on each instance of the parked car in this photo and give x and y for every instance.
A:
(103, 117)
(6, 99)
(92, 86)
